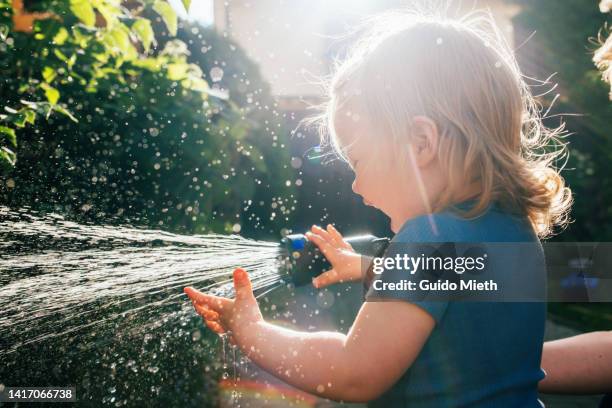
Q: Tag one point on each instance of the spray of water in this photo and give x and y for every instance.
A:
(58, 277)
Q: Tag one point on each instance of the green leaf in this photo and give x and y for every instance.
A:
(4, 31)
(196, 84)
(51, 93)
(101, 57)
(110, 13)
(71, 60)
(151, 64)
(92, 86)
(175, 48)
(60, 55)
(49, 74)
(82, 36)
(61, 36)
(177, 71)
(7, 157)
(30, 116)
(9, 134)
(119, 39)
(187, 4)
(20, 119)
(84, 11)
(65, 112)
(167, 14)
(143, 30)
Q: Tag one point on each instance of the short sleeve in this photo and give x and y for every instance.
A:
(435, 308)
(401, 281)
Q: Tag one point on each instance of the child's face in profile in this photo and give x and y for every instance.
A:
(380, 179)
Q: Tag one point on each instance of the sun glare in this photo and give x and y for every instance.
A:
(200, 11)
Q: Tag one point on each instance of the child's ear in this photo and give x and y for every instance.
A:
(424, 140)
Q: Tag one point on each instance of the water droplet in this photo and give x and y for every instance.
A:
(196, 335)
(296, 162)
(216, 74)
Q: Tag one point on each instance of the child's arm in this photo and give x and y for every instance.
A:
(383, 342)
(578, 365)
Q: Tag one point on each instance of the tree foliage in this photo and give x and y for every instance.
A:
(111, 116)
(108, 115)
(77, 43)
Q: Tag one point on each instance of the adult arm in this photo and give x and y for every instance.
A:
(580, 364)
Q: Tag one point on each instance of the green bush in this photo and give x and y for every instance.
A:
(114, 114)
(141, 135)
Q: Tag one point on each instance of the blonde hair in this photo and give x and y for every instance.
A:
(463, 75)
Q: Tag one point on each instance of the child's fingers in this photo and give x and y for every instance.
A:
(323, 245)
(194, 294)
(334, 233)
(321, 232)
(214, 326)
(215, 302)
(206, 312)
(337, 237)
(326, 278)
(242, 285)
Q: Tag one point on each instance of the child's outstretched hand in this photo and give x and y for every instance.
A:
(228, 315)
(346, 263)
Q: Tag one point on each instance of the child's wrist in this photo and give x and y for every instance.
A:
(368, 274)
(357, 269)
(245, 332)
(247, 336)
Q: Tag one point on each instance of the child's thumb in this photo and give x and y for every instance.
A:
(242, 284)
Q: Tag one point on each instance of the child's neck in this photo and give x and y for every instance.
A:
(471, 192)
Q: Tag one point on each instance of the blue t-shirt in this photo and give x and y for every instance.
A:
(479, 354)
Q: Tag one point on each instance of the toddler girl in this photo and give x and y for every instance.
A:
(444, 137)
